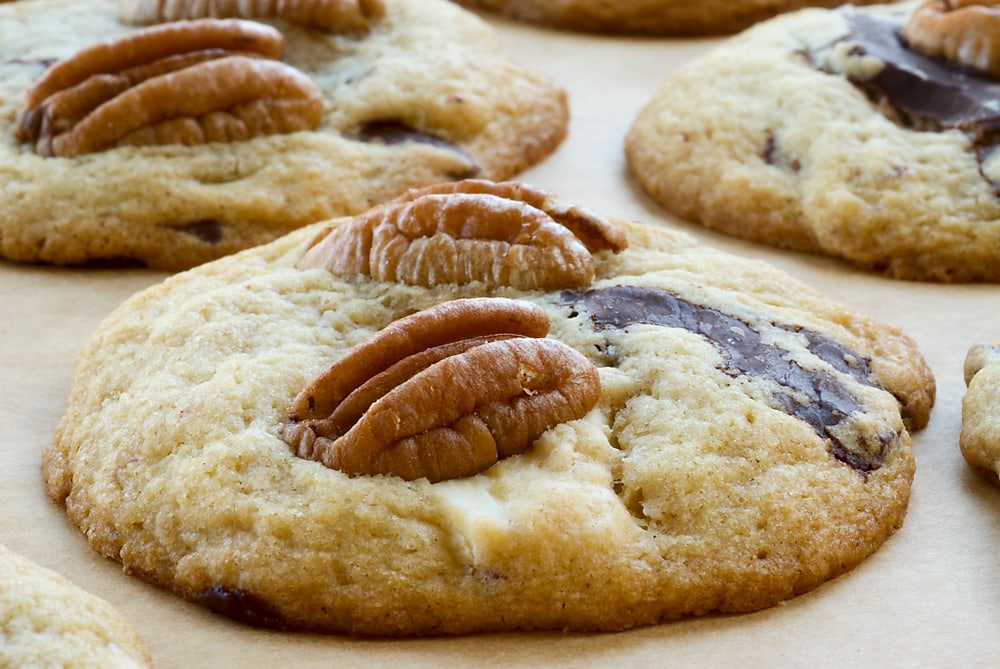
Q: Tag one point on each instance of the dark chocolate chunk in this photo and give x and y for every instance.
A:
(836, 354)
(396, 132)
(815, 397)
(207, 230)
(242, 606)
(771, 157)
(391, 132)
(926, 93)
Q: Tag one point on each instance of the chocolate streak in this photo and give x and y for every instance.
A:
(828, 401)
(391, 133)
(242, 606)
(926, 93)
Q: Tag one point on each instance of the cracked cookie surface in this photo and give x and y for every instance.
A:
(750, 441)
(813, 132)
(423, 95)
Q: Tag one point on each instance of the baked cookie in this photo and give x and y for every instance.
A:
(829, 132)
(46, 621)
(978, 438)
(219, 134)
(565, 422)
(649, 17)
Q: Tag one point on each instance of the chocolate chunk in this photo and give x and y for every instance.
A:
(815, 397)
(207, 230)
(836, 355)
(771, 156)
(925, 93)
(242, 606)
(396, 132)
(392, 132)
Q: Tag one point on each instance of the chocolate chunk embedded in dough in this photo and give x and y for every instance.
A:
(243, 606)
(925, 93)
(745, 353)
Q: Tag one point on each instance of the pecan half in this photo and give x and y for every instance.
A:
(502, 234)
(345, 16)
(596, 232)
(966, 32)
(443, 393)
(187, 83)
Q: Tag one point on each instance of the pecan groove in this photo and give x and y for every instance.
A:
(443, 393)
(502, 234)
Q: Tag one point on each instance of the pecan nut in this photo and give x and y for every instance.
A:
(501, 234)
(443, 393)
(345, 16)
(966, 32)
(596, 232)
(188, 83)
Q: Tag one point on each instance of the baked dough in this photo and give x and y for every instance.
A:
(978, 439)
(821, 131)
(46, 621)
(750, 442)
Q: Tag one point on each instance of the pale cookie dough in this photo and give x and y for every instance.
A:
(46, 621)
(649, 17)
(750, 441)
(798, 134)
(979, 438)
(425, 95)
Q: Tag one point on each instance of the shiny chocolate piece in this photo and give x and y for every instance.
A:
(391, 133)
(206, 230)
(242, 606)
(925, 93)
(745, 353)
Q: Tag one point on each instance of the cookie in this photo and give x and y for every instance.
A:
(649, 17)
(977, 438)
(312, 123)
(566, 422)
(822, 131)
(46, 621)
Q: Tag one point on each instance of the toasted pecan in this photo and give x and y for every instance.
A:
(344, 16)
(443, 393)
(596, 232)
(501, 234)
(187, 83)
(966, 32)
